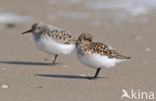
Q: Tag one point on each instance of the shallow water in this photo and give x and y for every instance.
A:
(133, 7)
(9, 17)
(119, 10)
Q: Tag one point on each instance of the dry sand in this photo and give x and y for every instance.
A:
(25, 76)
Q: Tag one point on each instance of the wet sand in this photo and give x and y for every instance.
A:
(25, 70)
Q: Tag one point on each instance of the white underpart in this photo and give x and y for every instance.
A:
(47, 44)
(98, 61)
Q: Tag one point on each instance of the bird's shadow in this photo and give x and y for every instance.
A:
(28, 63)
(66, 76)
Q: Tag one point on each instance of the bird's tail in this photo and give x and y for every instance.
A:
(122, 57)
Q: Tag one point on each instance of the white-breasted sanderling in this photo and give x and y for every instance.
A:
(96, 54)
(52, 40)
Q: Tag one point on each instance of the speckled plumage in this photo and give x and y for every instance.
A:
(96, 47)
(96, 54)
(55, 33)
(52, 40)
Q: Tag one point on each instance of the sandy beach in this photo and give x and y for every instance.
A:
(26, 76)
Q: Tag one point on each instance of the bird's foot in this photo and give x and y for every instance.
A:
(52, 64)
(91, 78)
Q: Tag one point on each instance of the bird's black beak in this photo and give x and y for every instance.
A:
(29, 31)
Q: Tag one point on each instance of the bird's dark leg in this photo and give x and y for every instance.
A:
(96, 74)
(54, 59)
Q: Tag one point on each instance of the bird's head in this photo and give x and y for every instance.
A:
(36, 28)
(85, 38)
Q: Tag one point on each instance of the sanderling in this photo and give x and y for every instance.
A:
(96, 54)
(52, 40)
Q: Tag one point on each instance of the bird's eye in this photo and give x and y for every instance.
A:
(85, 38)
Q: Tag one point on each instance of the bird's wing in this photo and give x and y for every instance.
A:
(61, 36)
(102, 49)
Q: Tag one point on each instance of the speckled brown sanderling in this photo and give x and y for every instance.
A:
(96, 54)
(52, 40)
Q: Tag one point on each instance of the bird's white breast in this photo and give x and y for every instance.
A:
(50, 46)
(96, 60)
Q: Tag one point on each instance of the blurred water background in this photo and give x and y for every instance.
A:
(118, 10)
